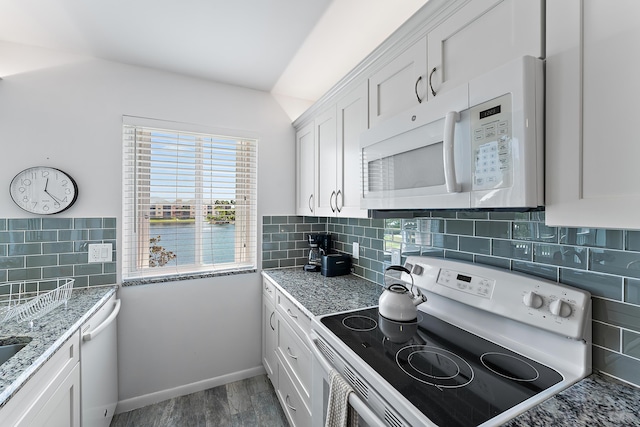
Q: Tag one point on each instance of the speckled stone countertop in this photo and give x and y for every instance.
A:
(598, 400)
(50, 332)
(316, 294)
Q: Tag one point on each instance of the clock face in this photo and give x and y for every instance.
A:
(43, 190)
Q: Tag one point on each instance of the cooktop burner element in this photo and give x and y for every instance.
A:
(434, 366)
(510, 367)
(359, 323)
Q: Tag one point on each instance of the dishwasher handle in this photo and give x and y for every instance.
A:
(88, 336)
(360, 407)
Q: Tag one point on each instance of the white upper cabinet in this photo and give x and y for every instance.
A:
(337, 133)
(400, 84)
(591, 137)
(326, 138)
(481, 36)
(353, 119)
(305, 170)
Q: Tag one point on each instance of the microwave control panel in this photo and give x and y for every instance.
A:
(491, 132)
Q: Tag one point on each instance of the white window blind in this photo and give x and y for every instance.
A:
(189, 202)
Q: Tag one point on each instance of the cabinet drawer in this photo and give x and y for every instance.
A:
(296, 356)
(293, 315)
(293, 405)
(269, 290)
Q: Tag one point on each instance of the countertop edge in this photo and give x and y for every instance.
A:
(32, 369)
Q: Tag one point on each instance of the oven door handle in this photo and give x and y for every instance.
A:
(358, 404)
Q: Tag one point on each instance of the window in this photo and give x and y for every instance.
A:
(189, 202)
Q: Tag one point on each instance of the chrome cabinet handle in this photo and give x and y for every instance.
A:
(338, 194)
(286, 399)
(309, 203)
(291, 355)
(416, 89)
(268, 289)
(333, 193)
(290, 313)
(433, 92)
(270, 321)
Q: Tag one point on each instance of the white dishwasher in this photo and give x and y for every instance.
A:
(99, 366)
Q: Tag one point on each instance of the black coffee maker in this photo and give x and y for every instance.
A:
(319, 244)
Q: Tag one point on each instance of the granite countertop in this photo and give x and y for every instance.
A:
(50, 332)
(597, 400)
(317, 295)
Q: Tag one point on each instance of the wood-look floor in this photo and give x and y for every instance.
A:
(251, 402)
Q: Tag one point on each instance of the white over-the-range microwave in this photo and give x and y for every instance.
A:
(477, 146)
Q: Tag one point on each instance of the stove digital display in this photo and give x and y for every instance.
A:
(464, 278)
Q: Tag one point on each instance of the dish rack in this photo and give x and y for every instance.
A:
(27, 301)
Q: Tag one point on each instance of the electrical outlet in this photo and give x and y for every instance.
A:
(100, 252)
(356, 250)
(395, 257)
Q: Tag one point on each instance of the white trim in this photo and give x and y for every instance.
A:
(159, 396)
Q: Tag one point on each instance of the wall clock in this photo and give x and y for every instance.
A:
(43, 190)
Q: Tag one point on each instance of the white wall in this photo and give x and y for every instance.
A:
(70, 117)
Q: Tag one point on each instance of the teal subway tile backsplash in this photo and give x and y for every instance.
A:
(38, 249)
(602, 261)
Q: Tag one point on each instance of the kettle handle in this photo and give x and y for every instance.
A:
(398, 268)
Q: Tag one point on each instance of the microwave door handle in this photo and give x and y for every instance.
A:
(448, 152)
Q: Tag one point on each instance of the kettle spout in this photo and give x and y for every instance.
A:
(419, 298)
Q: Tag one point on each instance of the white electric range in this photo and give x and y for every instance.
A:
(487, 345)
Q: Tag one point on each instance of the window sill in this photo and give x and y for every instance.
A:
(179, 277)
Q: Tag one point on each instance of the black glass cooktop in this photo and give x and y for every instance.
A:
(454, 377)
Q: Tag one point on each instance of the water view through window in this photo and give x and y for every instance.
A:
(218, 242)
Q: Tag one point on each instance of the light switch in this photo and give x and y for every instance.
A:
(356, 250)
(100, 252)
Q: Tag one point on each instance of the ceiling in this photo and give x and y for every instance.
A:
(292, 48)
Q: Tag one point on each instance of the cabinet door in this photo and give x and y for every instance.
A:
(62, 409)
(305, 170)
(326, 166)
(353, 119)
(480, 36)
(269, 340)
(400, 84)
(591, 92)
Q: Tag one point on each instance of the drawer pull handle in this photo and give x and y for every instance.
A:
(433, 92)
(289, 404)
(270, 321)
(291, 355)
(416, 89)
(268, 289)
(290, 313)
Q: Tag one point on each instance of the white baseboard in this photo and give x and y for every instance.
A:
(158, 396)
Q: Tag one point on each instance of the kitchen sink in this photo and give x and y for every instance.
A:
(10, 346)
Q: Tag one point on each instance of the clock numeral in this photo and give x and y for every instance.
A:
(65, 200)
(45, 174)
(25, 199)
(22, 189)
(25, 181)
(64, 182)
(44, 207)
(67, 191)
(34, 203)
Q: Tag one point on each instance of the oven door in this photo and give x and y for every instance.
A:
(367, 416)
(420, 158)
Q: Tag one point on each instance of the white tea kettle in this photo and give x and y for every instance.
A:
(397, 302)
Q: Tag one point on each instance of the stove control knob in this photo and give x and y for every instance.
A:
(560, 308)
(533, 300)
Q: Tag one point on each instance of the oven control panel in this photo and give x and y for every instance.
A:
(528, 299)
(474, 285)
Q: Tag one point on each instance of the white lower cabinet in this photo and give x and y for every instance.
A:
(285, 354)
(51, 397)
